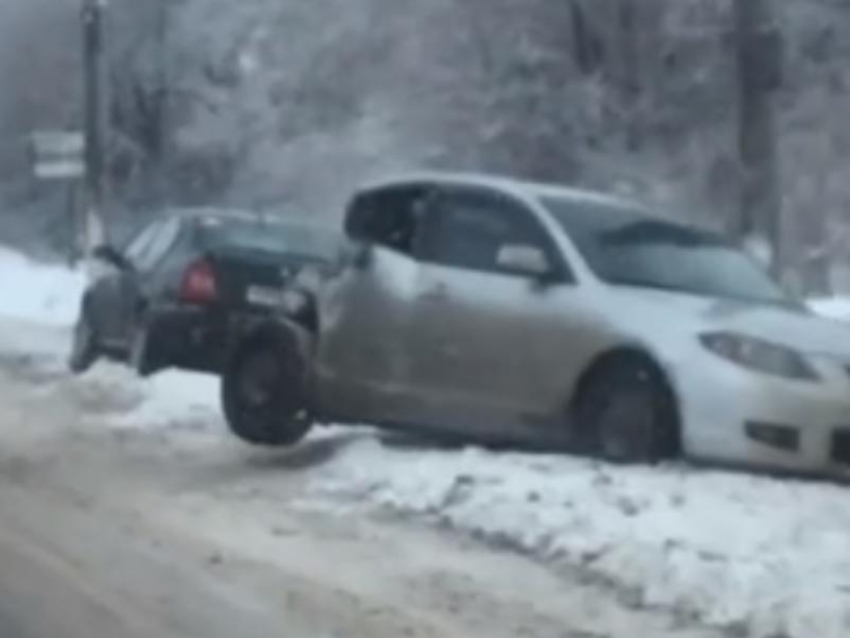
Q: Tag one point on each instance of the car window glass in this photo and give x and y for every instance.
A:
(312, 242)
(137, 248)
(161, 243)
(629, 247)
(390, 218)
(474, 228)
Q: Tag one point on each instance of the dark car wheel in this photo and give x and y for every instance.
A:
(626, 412)
(143, 356)
(84, 348)
(264, 393)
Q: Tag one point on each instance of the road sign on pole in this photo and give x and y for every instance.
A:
(58, 155)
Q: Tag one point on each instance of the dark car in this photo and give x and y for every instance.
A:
(181, 288)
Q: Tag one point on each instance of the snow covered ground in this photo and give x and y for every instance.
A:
(35, 292)
(769, 556)
(50, 296)
(764, 557)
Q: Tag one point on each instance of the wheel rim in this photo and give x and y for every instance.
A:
(259, 382)
(623, 414)
(623, 418)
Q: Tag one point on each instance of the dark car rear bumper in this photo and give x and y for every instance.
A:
(192, 338)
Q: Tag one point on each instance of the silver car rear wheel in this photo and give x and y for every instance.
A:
(264, 393)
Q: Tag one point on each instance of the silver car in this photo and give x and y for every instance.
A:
(518, 312)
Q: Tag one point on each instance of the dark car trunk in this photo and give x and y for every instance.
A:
(251, 279)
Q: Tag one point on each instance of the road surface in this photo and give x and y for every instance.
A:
(108, 533)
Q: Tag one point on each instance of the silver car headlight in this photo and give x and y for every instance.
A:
(759, 355)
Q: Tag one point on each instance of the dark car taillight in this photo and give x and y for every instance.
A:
(199, 284)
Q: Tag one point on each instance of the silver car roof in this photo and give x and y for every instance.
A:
(513, 186)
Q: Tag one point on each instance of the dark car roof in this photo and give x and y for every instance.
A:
(212, 215)
(200, 214)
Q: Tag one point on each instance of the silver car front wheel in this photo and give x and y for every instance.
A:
(626, 412)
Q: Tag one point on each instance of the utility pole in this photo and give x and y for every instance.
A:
(760, 52)
(163, 101)
(630, 81)
(94, 68)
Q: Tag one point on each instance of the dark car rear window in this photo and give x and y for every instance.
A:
(269, 237)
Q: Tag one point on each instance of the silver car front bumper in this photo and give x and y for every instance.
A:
(734, 415)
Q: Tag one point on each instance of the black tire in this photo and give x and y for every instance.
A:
(264, 393)
(85, 350)
(142, 356)
(626, 412)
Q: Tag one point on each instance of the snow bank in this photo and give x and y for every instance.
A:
(174, 400)
(768, 556)
(169, 402)
(36, 292)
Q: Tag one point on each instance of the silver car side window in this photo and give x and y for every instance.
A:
(391, 218)
(474, 227)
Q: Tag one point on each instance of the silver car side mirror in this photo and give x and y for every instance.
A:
(523, 260)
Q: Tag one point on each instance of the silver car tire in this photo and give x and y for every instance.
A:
(264, 395)
(626, 412)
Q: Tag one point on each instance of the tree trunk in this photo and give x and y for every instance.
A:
(759, 56)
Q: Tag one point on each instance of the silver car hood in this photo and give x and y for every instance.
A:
(795, 328)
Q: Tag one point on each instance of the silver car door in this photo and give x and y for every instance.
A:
(485, 335)
(362, 363)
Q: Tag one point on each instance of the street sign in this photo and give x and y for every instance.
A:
(58, 154)
(60, 169)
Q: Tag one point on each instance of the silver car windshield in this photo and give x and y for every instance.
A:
(628, 247)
